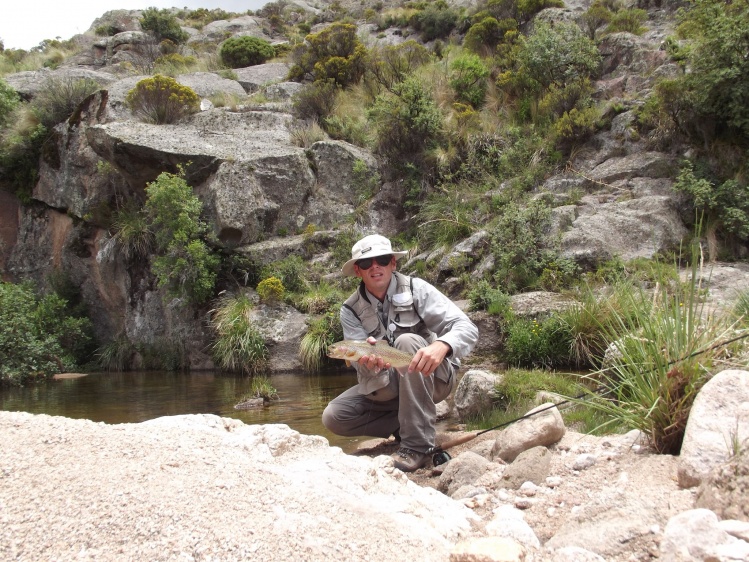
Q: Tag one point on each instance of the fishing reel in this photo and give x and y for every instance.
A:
(438, 456)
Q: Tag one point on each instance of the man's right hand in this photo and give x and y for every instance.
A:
(373, 362)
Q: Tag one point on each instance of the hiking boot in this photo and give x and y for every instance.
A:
(409, 460)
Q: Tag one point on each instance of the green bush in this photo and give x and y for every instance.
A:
(595, 17)
(485, 35)
(38, 335)
(719, 77)
(436, 21)
(163, 25)
(161, 100)
(185, 264)
(316, 100)
(575, 126)
(485, 296)
(558, 54)
(629, 20)
(240, 52)
(290, 271)
(468, 75)
(9, 100)
(270, 290)
(335, 53)
(322, 331)
(388, 65)
(407, 122)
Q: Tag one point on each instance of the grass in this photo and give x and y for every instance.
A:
(238, 346)
(260, 387)
(664, 355)
(323, 331)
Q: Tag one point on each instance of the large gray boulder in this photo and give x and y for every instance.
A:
(628, 229)
(252, 78)
(719, 417)
(475, 393)
(207, 84)
(30, 82)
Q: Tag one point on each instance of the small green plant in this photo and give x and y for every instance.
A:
(238, 346)
(468, 75)
(114, 355)
(270, 290)
(260, 387)
(59, 98)
(485, 296)
(9, 100)
(132, 232)
(365, 181)
(319, 298)
(243, 51)
(290, 271)
(161, 100)
(629, 20)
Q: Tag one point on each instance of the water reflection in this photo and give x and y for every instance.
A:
(139, 396)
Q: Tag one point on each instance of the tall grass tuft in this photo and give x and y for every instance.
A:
(239, 346)
(659, 359)
(132, 233)
(322, 332)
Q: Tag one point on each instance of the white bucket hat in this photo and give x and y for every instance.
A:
(369, 247)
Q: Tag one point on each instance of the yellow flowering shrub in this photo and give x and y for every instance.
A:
(161, 99)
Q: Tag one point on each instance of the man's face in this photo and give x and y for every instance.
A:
(376, 278)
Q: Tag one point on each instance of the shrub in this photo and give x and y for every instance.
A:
(407, 122)
(485, 296)
(575, 126)
(38, 335)
(161, 99)
(174, 63)
(290, 271)
(558, 54)
(436, 21)
(59, 98)
(595, 17)
(468, 75)
(238, 346)
(270, 290)
(9, 100)
(485, 35)
(240, 52)
(335, 53)
(185, 265)
(163, 25)
(316, 101)
(526, 9)
(629, 20)
(390, 64)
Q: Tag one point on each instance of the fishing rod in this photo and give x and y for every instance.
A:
(441, 456)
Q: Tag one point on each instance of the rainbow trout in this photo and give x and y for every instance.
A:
(352, 350)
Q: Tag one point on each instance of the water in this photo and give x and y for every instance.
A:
(139, 396)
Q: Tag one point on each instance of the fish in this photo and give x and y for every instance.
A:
(353, 350)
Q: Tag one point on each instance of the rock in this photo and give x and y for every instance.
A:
(250, 404)
(283, 91)
(531, 465)
(282, 328)
(475, 393)
(464, 255)
(696, 536)
(218, 30)
(30, 82)
(488, 549)
(627, 229)
(460, 471)
(539, 304)
(719, 415)
(542, 429)
(575, 554)
(638, 164)
(508, 522)
(207, 84)
(253, 78)
(725, 490)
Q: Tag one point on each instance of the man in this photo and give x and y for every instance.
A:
(414, 317)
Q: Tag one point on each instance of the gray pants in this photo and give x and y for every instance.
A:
(407, 404)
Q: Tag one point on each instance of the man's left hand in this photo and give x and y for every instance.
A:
(428, 358)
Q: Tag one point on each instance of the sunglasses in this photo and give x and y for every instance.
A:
(382, 261)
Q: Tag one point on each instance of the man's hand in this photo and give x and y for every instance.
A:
(428, 358)
(373, 362)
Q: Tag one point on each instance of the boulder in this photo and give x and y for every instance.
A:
(725, 491)
(475, 393)
(207, 84)
(30, 82)
(719, 416)
(531, 465)
(464, 469)
(282, 328)
(628, 229)
(540, 429)
(696, 536)
(252, 78)
(539, 304)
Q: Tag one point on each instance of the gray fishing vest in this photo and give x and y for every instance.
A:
(402, 315)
